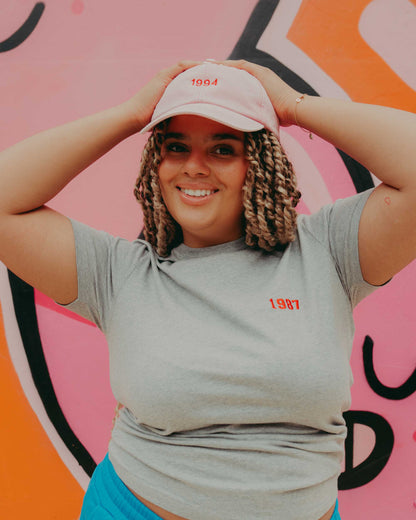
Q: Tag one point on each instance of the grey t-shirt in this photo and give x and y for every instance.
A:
(232, 364)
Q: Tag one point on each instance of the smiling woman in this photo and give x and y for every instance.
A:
(233, 380)
(201, 154)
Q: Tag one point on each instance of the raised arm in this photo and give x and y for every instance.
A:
(383, 140)
(36, 242)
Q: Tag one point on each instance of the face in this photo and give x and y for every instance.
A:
(201, 176)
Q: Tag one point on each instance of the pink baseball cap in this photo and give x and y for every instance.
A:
(224, 94)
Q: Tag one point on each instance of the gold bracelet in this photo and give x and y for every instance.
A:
(298, 100)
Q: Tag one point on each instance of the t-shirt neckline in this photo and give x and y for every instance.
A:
(183, 251)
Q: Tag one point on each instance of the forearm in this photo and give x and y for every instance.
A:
(36, 169)
(380, 138)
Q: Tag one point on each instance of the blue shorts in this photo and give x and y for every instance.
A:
(108, 498)
(335, 514)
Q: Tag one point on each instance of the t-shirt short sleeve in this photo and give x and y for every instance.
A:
(104, 263)
(336, 226)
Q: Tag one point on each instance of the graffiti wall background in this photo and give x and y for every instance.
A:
(65, 59)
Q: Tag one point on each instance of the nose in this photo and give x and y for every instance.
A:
(196, 165)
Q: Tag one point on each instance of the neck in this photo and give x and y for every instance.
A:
(197, 241)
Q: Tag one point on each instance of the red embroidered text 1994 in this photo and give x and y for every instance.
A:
(204, 82)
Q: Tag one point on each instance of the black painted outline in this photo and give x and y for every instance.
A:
(25, 30)
(246, 49)
(25, 310)
(388, 392)
(374, 464)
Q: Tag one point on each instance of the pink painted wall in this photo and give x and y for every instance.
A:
(83, 56)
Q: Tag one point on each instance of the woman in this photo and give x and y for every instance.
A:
(233, 375)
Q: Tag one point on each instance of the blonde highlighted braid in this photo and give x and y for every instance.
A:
(160, 229)
(270, 195)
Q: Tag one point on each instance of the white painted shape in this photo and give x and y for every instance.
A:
(21, 365)
(389, 28)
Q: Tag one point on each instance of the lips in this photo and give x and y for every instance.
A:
(197, 194)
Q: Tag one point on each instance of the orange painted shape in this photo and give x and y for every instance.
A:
(34, 481)
(328, 33)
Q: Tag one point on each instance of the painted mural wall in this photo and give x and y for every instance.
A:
(65, 59)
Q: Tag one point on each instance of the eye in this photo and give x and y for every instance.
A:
(223, 150)
(175, 147)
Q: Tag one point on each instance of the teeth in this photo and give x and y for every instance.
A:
(196, 193)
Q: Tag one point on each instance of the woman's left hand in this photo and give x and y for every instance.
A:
(280, 93)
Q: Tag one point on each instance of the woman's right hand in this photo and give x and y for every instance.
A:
(141, 106)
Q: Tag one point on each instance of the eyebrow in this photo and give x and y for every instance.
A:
(223, 137)
(214, 137)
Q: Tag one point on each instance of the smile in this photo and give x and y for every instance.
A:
(196, 193)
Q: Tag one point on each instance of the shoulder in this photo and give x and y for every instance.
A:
(341, 216)
(100, 247)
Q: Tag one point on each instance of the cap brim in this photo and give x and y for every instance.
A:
(216, 113)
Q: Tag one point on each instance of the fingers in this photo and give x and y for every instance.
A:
(144, 102)
(169, 73)
(186, 64)
(239, 64)
(252, 68)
